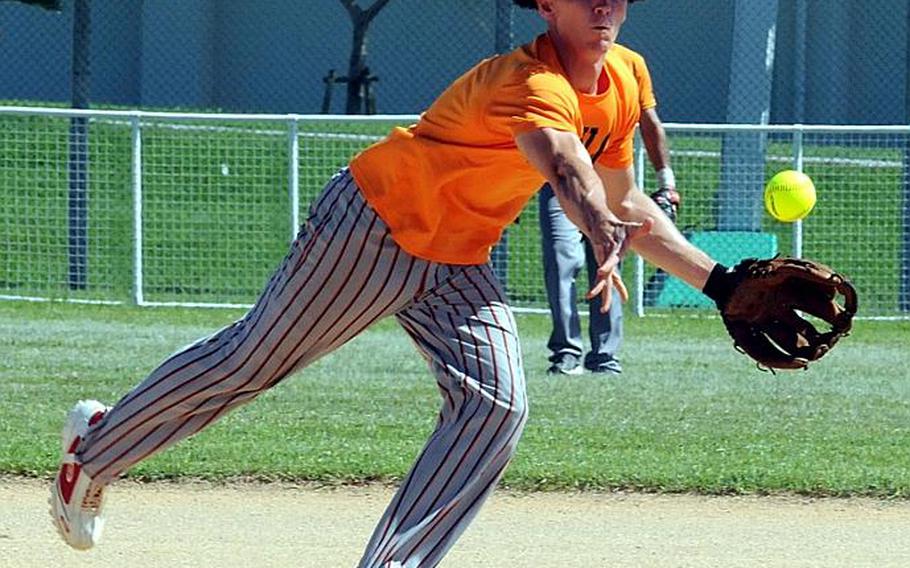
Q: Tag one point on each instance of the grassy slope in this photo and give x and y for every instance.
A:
(689, 414)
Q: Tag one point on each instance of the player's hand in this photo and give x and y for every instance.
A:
(668, 199)
(609, 249)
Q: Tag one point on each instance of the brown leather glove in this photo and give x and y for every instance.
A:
(761, 300)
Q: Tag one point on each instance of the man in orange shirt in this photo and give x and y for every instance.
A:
(406, 232)
(565, 251)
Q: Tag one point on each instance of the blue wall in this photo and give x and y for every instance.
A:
(271, 56)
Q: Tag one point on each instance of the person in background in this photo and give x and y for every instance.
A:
(566, 250)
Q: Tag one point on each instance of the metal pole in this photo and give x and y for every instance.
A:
(748, 102)
(79, 149)
(904, 275)
(799, 63)
(799, 107)
(294, 176)
(138, 298)
(798, 155)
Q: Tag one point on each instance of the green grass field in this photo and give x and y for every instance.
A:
(216, 209)
(688, 414)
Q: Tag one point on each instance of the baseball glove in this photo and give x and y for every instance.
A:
(761, 302)
(668, 200)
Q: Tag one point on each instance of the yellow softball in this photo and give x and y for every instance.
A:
(789, 195)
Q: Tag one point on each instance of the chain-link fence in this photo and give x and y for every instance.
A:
(713, 61)
(198, 209)
(717, 61)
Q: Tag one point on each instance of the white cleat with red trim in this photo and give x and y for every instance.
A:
(75, 500)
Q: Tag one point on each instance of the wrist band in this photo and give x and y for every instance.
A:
(666, 178)
(718, 286)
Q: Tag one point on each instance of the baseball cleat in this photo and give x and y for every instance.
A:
(75, 500)
(566, 364)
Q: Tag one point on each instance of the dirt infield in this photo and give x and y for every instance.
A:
(242, 525)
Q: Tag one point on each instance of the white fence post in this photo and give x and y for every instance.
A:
(798, 151)
(136, 145)
(294, 174)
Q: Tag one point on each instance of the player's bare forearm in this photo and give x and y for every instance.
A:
(667, 248)
(581, 196)
(664, 246)
(655, 139)
(562, 159)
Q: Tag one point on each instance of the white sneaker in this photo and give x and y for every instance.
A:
(75, 500)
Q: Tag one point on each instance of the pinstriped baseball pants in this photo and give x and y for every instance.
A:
(342, 273)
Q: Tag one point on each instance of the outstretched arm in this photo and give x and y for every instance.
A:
(664, 245)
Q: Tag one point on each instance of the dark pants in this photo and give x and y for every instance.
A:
(565, 251)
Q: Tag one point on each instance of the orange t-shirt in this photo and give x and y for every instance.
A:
(447, 186)
(642, 76)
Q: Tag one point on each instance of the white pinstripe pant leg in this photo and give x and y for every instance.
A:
(343, 272)
(466, 331)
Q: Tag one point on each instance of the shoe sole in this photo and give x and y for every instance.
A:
(571, 372)
(71, 429)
